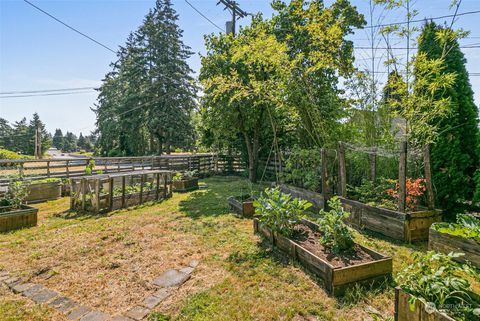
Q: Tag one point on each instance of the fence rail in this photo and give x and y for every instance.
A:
(204, 164)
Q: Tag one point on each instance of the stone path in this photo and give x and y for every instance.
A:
(75, 311)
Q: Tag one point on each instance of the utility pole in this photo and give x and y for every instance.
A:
(236, 13)
(38, 143)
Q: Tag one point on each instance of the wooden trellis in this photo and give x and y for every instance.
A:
(108, 192)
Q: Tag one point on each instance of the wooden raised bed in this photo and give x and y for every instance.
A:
(446, 243)
(337, 279)
(185, 185)
(42, 192)
(317, 199)
(242, 205)
(13, 219)
(407, 227)
(420, 312)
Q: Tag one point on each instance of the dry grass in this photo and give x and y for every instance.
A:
(107, 262)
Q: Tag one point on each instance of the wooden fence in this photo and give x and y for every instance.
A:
(204, 164)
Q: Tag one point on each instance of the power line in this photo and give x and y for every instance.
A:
(419, 20)
(47, 94)
(70, 27)
(43, 90)
(404, 48)
(204, 16)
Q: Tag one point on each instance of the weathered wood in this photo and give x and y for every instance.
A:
(185, 185)
(317, 199)
(428, 177)
(342, 171)
(446, 243)
(157, 186)
(123, 191)
(404, 312)
(110, 194)
(41, 192)
(337, 279)
(402, 178)
(142, 180)
(244, 208)
(12, 219)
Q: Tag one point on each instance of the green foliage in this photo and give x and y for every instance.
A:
(467, 226)
(374, 194)
(279, 212)
(45, 180)
(438, 281)
(134, 189)
(184, 175)
(303, 169)
(90, 167)
(6, 154)
(336, 236)
(16, 193)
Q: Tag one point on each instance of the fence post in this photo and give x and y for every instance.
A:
(157, 188)
(97, 195)
(342, 170)
(142, 179)
(402, 178)
(68, 169)
(325, 189)
(110, 205)
(428, 177)
(48, 168)
(123, 191)
(373, 165)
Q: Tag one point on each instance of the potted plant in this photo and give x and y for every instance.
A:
(463, 236)
(185, 181)
(435, 288)
(374, 207)
(325, 248)
(14, 214)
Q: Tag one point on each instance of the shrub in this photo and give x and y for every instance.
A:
(374, 194)
(336, 236)
(438, 281)
(16, 194)
(467, 226)
(90, 167)
(280, 212)
(303, 169)
(415, 189)
(6, 154)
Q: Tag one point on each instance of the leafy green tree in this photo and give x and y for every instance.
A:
(455, 153)
(57, 140)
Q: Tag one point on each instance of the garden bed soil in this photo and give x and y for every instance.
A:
(361, 265)
(446, 243)
(242, 205)
(42, 192)
(13, 219)
(317, 199)
(185, 185)
(408, 227)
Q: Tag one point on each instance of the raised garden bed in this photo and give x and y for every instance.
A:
(340, 272)
(446, 243)
(185, 185)
(242, 205)
(410, 226)
(317, 199)
(44, 191)
(13, 219)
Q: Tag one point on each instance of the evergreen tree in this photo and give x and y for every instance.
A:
(6, 133)
(57, 140)
(21, 136)
(81, 142)
(70, 143)
(46, 140)
(454, 154)
(144, 104)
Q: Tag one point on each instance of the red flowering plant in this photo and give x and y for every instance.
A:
(415, 189)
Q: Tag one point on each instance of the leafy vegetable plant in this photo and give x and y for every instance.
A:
(467, 226)
(279, 212)
(16, 194)
(336, 236)
(179, 176)
(438, 281)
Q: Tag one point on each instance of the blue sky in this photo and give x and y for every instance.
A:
(38, 53)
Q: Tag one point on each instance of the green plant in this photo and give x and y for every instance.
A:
(45, 180)
(16, 194)
(438, 281)
(467, 226)
(374, 194)
(280, 212)
(184, 175)
(336, 236)
(303, 169)
(90, 167)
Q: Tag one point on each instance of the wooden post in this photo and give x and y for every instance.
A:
(165, 175)
(48, 168)
(97, 195)
(118, 165)
(110, 199)
(72, 195)
(84, 196)
(373, 165)
(428, 177)
(402, 178)
(325, 189)
(157, 188)
(123, 191)
(342, 170)
(142, 179)
(68, 169)
(20, 170)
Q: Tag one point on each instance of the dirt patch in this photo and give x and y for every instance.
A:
(310, 240)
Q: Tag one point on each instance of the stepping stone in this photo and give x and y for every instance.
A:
(162, 294)
(63, 304)
(121, 318)
(20, 288)
(12, 281)
(137, 313)
(152, 301)
(78, 312)
(193, 264)
(171, 278)
(187, 270)
(33, 290)
(95, 316)
(43, 296)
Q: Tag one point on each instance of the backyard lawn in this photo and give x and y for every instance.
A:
(107, 262)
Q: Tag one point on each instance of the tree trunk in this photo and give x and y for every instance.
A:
(252, 150)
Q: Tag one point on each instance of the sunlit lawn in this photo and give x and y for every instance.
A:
(107, 262)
